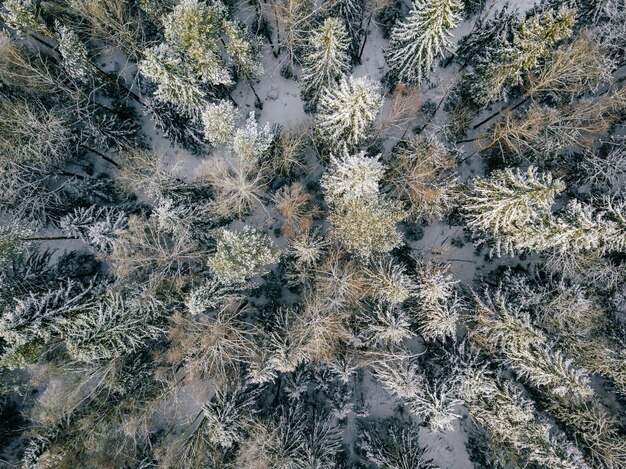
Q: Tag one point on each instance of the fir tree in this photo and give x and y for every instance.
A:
(514, 427)
(347, 111)
(174, 86)
(327, 59)
(397, 447)
(423, 37)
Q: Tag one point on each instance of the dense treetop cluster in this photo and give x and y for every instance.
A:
(426, 269)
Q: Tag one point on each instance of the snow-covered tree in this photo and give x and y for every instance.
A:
(421, 38)
(396, 447)
(75, 56)
(436, 403)
(367, 228)
(509, 202)
(509, 334)
(227, 415)
(327, 59)
(219, 121)
(95, 225)
(389, 281)
(113, 327)
(352, 178)
(193, 30)
(513, 426)
(505, 64)
(251, 142)
(32, 321)
(192, 54)
(13, 238)
(174, 86)
(439, 308)
(347, 111)
(362, 218)
(386, 326)
(243, 49)
(242, 254)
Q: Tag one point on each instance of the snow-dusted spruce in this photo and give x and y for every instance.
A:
(509, 202)
(395, 448)
(513, 426)
(241, 255)
(389, 281)
(174, 86)
(437, 403)
(508, 333)
(505, 64)
(32, 321)
(439, 308)
(347, 111)
(95, 225)
(192, 54)
(327, 58)
(363, 219)
(219, 121)
(75, 57)
(421, 38)
(13, 235)
(115, 326)
(386, 326)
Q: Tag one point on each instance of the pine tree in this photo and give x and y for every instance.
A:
(243, 49)
(352, 178)
(192, 29)
(439, 309)
(423, 37)
(347, 111)
(241, 255)
(174, 86)
(386, 326)
(219, 121)
(327, 59)
(34, 320)
(389, 282)
(396, 447)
